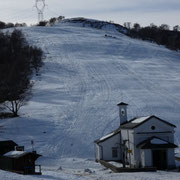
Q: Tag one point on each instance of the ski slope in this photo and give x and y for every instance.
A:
(85, 74)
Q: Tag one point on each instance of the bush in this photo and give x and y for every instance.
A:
(42, 23)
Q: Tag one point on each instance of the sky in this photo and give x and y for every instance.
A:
(143, 12)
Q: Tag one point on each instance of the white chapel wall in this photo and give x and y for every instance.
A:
(108, 145)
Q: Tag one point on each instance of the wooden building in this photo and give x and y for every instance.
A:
(20, 162)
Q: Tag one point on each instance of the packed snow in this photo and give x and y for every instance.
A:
(140, 120)
(15, 153)
(106, 136)
(74, 98)
(90, 171)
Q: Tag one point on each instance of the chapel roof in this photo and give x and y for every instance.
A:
(131, 124)
(135, 122)
(122, 103)
(104, 138)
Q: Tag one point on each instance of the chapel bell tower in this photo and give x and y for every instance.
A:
(122, 112)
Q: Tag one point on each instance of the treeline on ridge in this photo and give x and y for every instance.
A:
(161, 35)
(51, 21)
(18, 61)
(4, 25)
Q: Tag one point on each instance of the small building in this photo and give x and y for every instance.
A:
(140, 142)
(14, 158)
(20, 162)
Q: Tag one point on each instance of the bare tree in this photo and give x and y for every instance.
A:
(15, 101)
(164, 27)
(127, 25)
(176, 28)
(14, 105)
(136, 27)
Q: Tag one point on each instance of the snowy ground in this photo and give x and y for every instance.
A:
(82, 169)
(84, 76)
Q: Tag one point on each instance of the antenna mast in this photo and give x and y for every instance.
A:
(40, 6)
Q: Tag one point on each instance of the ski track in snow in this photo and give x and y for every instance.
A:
(83, 78)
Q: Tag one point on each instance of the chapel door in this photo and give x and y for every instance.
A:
(159, 158)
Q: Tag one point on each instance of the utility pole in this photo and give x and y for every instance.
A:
(32, 144)
(40, 6)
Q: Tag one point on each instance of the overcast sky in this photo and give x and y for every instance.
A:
(119, 11)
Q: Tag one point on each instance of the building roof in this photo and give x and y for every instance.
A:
(18, 154)
(122, 103)
(15, 153)
(7, 143)
(135, 122)
(104, 138)
(6, 146)
(154, 143)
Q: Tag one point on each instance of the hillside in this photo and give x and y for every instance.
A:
(85, 74)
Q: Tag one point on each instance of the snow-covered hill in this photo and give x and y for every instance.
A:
(86, 72)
